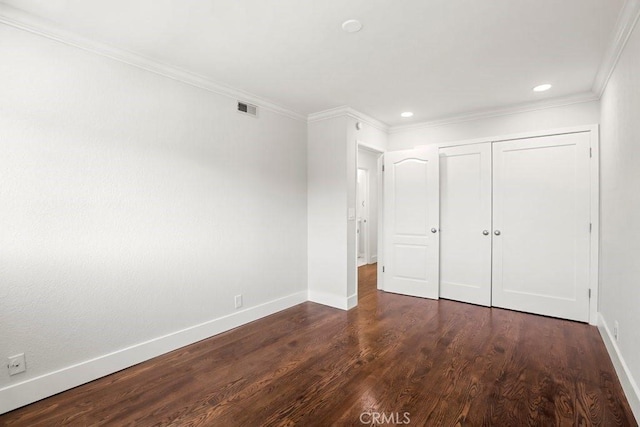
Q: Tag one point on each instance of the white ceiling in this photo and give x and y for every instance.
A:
(436, 58)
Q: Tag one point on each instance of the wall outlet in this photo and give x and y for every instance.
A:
(16, 364)
(616, 330)
(238, 301)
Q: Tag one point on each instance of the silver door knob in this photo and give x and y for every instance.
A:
(434, 230)
(497, 232)
(485, 232)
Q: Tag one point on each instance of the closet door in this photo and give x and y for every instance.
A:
(465, 222)
(411, 222)
(541, 225)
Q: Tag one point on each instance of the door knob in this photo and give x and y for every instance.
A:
(485, 232)
(497, 232)
(433, 230)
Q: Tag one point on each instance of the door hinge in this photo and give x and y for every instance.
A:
(383, 268)
(589, 293)
(590, 152)
(382, 168)
(590, 227)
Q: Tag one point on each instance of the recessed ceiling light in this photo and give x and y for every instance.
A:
(407, 114)
(542, 88)
(351, 26)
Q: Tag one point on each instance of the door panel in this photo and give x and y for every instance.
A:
(465, 213)
(541, 212)
(411, 212)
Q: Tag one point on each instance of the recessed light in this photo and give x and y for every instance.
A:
(407, 114)
(542, 88)
(351, 26)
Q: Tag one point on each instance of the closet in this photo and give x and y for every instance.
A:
(505, 223)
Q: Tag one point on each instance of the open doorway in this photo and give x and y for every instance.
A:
(362, 218)
(368, 212)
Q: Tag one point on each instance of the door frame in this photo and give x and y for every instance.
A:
(360, 144)
(364, 225)
(594, 171)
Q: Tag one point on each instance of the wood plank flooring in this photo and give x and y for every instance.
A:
(442, 362)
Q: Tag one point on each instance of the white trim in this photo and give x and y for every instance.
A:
(327, 114)
(521, 135)
(330, 300)
(352, 301)
(500, 111)
(27, 22)
(349, 112)
(374, 259)
(629, 386)
(29, 391)
(627, 20)
(594, 264)
(381, 219)
(368, 147)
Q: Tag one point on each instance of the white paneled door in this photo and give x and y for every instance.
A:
(465, 222)
(541, 225)
(411, 215)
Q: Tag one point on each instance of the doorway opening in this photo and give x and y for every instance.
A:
(368, 218)
(362, 217)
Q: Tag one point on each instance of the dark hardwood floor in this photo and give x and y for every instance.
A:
(442, 362)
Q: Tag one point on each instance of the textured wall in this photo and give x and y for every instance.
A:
(327, 207)
(133, 205)
(620, 204)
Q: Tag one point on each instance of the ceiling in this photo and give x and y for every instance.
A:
(437, 58)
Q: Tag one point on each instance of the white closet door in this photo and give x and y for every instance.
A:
(541, 222)
(411, 222)
(465, 222)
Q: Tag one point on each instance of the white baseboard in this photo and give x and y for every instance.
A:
(352, 301)
(330, 300)
(32, 390)
(374, 259)
(630, 387)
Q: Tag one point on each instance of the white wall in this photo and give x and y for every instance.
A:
(585, 113)
(620, 212)
(377, 139)
(134, 206)
(369, 160)
(327, 211)
(331, 192)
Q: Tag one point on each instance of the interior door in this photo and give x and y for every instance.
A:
(465, 223)
(541, 221)
(411, 213)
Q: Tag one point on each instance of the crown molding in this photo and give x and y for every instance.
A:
(627, 20)
(30, 23)
(327, 114)
(348, 112)
(500, 111)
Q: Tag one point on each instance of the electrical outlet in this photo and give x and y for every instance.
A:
(16, 364)
(238, 301)
(616, 330)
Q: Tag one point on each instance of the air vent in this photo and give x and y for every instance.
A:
(248, 109)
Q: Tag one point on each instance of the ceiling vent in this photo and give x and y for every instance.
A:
(248, 109)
